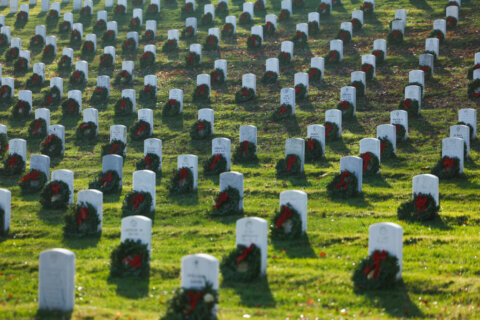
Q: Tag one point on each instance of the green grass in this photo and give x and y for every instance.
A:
(312, 277)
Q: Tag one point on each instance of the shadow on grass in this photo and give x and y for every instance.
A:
(51, 217)
(376, 181)
(299, 248)
(338, 146)
(52, 315)
(82, 243)
(228, 220)
(421, 4)
(354, 126)
(173, 123)
(253, 294)
(187, 199)
(112, 197)
(131, 287)
(356, 201)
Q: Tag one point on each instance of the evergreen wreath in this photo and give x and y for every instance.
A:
(81, 221)
(401, 132)
(182, 182)
(245, 152)
(20, 66)
(432, 53)
(221, 8)
(470, 127)
(269, 77)
(12, 54)
(437, 34)
(109, 38)
(300, 91)
(188, 8)
(51, 146)
(409, 105)
(3, 144)
(298, 4)
(451, 22)
(52, 97)
(201, 129)
(344, 35)
(192, 60)
(421, 208)
(244, 95)
(190, 304)
(206, 19)
(474, 89)
(129, 46)
(147, 60)
(283, 112)
(21, 110)
(245, 18)
(140, 130)
(201, 94)
(152, 11)
(77, 79)
(360, 88)
(99, 97)
(217, 77)
(65, 27)
(395, 37)
(123, 107)
(386, 148)
(343, 185)
(35, 82)
(228, 30)
(368, 69)
(149, 36)
(86, 132)
(135, 24)
(313, 27)
(332, 57)
(170, 45)
(242, 264)
(324, 9)
(188, 33)
(64, 64)
(13, 165)
(5, 95)
(70, 107)
(447, 168)
(137, 203)
(99, 27)
(171, 108)
(120, 11)
(331, 131)
(130, 259)
(313, 150)
(37, 128)
(211, 42)
(75, 38)
(124, 79)
(378, 271)
(371, 163)
(107, 182)
(379, 56)
(106, 61)
(314, 75)
(367, 8)
(356, 24)
(150, 161)
(284, 58)
(55, 195)
(452, 3)
(214, 165)
(269, 29)
(286, 224)
(148, 95)
(289, 166)
(254, 41)
(259, 5)
(3, 40)
(36, 42)
(88, 49)
(86, 13)
(33, 181)
(284, 15)
(22, 18)
(347, 109)
(471, 70)
(52, 18)
(226, 203)
(114, 147)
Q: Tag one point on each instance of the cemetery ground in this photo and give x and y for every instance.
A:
(309, 277)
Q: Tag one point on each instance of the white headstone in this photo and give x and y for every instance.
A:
(248, 8)
(401, 14)
(440, 25)
(346, 26)
(463, 132)
(82, 66)
(197, 48)
(153, 145)
(468, 116)
(249, 133)
(144, 181)
(349, 94)
(358, 14)
(177, 94)
(93, 38)
(41, 163)
(427, 59)
(150, 80)
(91, 115)
(43, 113)
(235, 180)
(138, 13)
(57, 82)
(191, 22)
(119, 132)
(389, 131)
(112, 25)
(45, 6)
(65, 176)
(371, 145)
(272, 18)
(287, 96)
(208, 115)
(286, 5)
(209, 8)
(16, 43)
(233, 21)
(338, 46)
(317, 132)
(433, 45)
(26, 55)
(113, 162)
(95, 198)
(254, 230)
(257, 30)
(18, 146)
(59, 131)
(272, 64)
(398, 25)
(454, 147)
(128, 66)
(214, 32)
(426, 184)
(249, 81)
(387, 236)
(77, 96)
(298, 200)
(301, 78)
(41, 31)
(414, 92)
(287, 46)
(131, 94)
(6, 31)
(296, 146)
(359, 76)
(400, 117)
(68, 17)
(137, 228)
(204, 79)
(52, 40)
(355, 166)
(370, 59)
(189, 161)
(222, 65)
(13, 6)
(133, 35)
(6, 206)
(417, 76)
(152, 26)
(7, 81)
(380, 44)
(104, 82)
(314, 17)
(197, 270)
(173, 34)
(222, 146)
(147, 116)
(334, 116)
(26, 95)
(102, 15)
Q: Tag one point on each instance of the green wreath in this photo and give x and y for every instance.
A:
(245, 152)
(149, 36)
(55, 195)
(20, 66)
(269, 77)
(344, 35)
(13, 165)
(346, 108)
(5, 95)
(107, 182)
(137, 203)
(201, 129)
(99, 27)
(99, 97)
(218, 77)
(188, 8)
(421, 208)
(300, 39)
(171, 108)
(52, 97)
(119, 11)
(12, 54)
(211, 43)
(64, 64)
(109, 38)
(226, 203)
(474, 89)
(85, 13)
(106, 61)
(202, 94)
(75, 39)
(81, 221)
(150, 161)
(130, 259)
(360, 88)
(286, 224)
(192, 304)
(259, 5)
(300, 91)
(411, 106)
(244, 95)
(470, 127)
(35, 82)
(379, 56)
(182, 182)
(86, 132)
(343, 185)
(401, 132)
(170, 45)
(51, 146)
(114, 147)
(64, 28)
(314, 75)
(192, 60)
(284, 15)
(148, 95)
(371, 163)
(88, 49)
(245, 18)
(140, 130)
(77, 79)
(283, 112)
(242, 264)
(356, 24)
(123, 107)
(289, 166)
(254, 42)
(129, 46)
(188, 33)
(451, 22)
(214, 165)
(70, 107)
(298, 4)
(367, 8)
(332, 57)
(395, 37)
(386, 148)
(147, 60)
(313, 27)
(447, 168)
(37, 129)
(152, 11)
(313, 150)
(228, 30)
(284, 58)
(21, 110)
(269, 29)
(368, 69)
(437, 34)
(124, 79)
(378, 271)
(331, 131)
(134, 24)
(3, 144)
(206, 19)
(33, 182)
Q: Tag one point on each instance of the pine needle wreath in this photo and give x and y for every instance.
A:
(52, 146)
(64, 64)
(300, 91)
(206, 19)
(3, 40)
(147, 60)
(12, 54)
(107, 182)
(314, 75)
(284, 58)
(55, 195)
(33, 181)
(332, 57)
(313, 27)
(152, 11)
(300, 39)
(86, 132)
(401, 132)
(371, 163)
(192, 60)
(245, 152)
(226, 203)
(106, 61)
(148, 96)
(368, 69)
(222, 8)
(437, 34)
(343, 185)
(451, 22)
(242, 264)
(149, 37)
(269, 29)
(119, 11)
(81, 221)
(421, 208)
(182, 182)
(201, 94)
(75, 38)
(188, 33)
(109, 38)
(130, 259)
(99, 97)
(5, 95)
(313, 150)
(140, 130)
(378, 271)
(13, 165)
(192, 304)
(344, 35)
(217, 77)
(286, 224)
(37, 129)
(360, 88)
(411, 106)
(21, 110)
(395, 37)
(150, 161)
(171, 108)
(35, 82)
(259, 5)
(77, 80)
(211, 43)
(36, 42)
(474, 89)
(347, 109)
(447, 168)
(137, 203)
(244, 95)
(471, 70)
(99, 27)
(124, 79)
(70, 107)
(254, 42)
(470, 127)
(3, 144)
(201, 129)
(170, 45)
(52, 97)
(367, 8)
(356, 24)
(298, 4)
(22, 19)
(52, 18)
(88, 49)
(283, 112)
(135, 24)
(114, 147)
(289, 166)
(379, 56)
(129, 46)
(228, 30)
(123, 107)
(86, 13)
(245, 18)
(3, 232)
(284, 15)
(331, 131)
(214, 165)
(65, 27)
(386, 148)
(269, 77)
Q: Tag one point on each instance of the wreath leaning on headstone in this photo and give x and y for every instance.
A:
(217, 77)
(140, 130)
(286, 224)
(300, 39)
(371, 163)
(130, 259)
(64, 64)
(300, 91)
(284, 15)
(343, 185)
(284, 58)
(395, 37)
(269, 77)
(386, 148)
(70, 107)
(368, 69)
(242, 264)
(86, 132)
(55, 195)
(314, 74)
(211, 43)
(33, 181)
(201, 129)
(401, 132)
(379, 56)
(409, 105)
(123, 107)
(289, 166)
(150, 161)
(245, 152)
(283, 112)
(114, 147)
(313, 150)
(81, 221)
(228, 30)
(474, 89)
(421, 208)
(332, 57)
(254, 42)
(137, 203)
(324, 9)
(21, 110)
(214, 165)
(226, 203)
(331, 131)
(51, 146)
(37, 128)
(344, 35)
(99, 97)
(52, 97)
(244, 94)
(360, 88)
(269, 29)
(182, 182)
(171, 108)
(356, 24)
(123, 79)
(447, 168)
(347, 109)
(108, 182)
(378, 271)
(202, 94)
(13, 165)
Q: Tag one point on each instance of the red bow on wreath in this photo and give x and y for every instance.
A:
(37, 125)
(193, 297)
(333, 56)
(190, 58)
(221, 199)
(298, 89)
(82, 215)
(322, 7)
(328, 129)
(448, 163)
(54, 188)
(104, 58)
(200, 125)
(311, 144)
(141, 129)
(211, 40)
(32, 175)
(148, 160)
(367, 68)
(214, 76)
(290, 162)
(286, 214)
(84, 125)
(366, 160)
(420, 203)
(115, 146)
(344, 105)
(201, 90)
(137, 199)
(48, 140)
(133, 261)
(282, 110)
(382, 146)
(244, 254)
(107, 178)
(407, 103)
(396, 33)
(343, 183)
(312, 73)
(183, 173)
(216, 158)
(123, 104)
(172, 102)
(12, 162)
(245, 92)
(147, 88)
(377, 259)
(245, 145)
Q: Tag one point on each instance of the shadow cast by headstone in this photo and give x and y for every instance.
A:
(463, 182)
(252, 294)
(173, 123)
(215, 178)
(52, 315)
(227, 220)
(337, 7)
(299, 180)
(372, 19)
(13, 123)
(354, 126)
(126, 120)
(51, 217)
(131, 287)
(338, 146)
(55, 161)
(306, 104)
(396, 301)
(88, 146)
(112, 197)
(187, 199)
(82, 243)
(437, 223)
(421, 4)
(300, 248)
(406, 146)
(201, 145)
(376, 180)
(357, 201)
(247, 164)
(69, 121)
